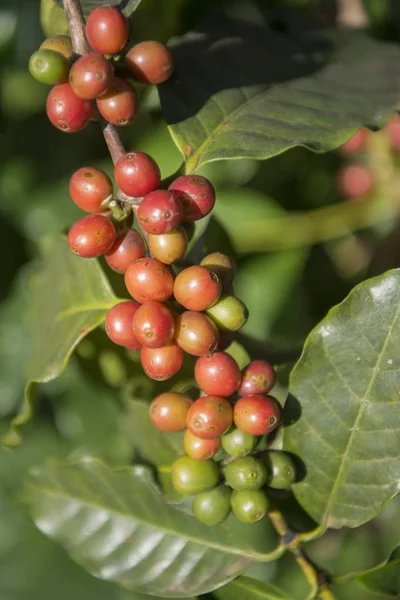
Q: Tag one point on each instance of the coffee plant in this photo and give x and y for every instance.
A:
(201, 299)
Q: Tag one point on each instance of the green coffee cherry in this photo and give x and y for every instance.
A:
(229, 313)
(49, 67)
(213, 507)
(191, 476)
(246, 473)
(250, 506)
(281, 469)
(238, 443)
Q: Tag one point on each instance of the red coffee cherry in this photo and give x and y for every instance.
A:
(168, 247)
(119, 105)
(355, 144)
(153, 325)
(196, 194)
(119, 326)
(160, 212)
(197, 288)
(355, 180)
(89, 188)
(168, 411)
(147, 280)
(107, 30)
(149, 62)
(137, 174)
(195, 333)
(66, 111)
(217, 374)
(161, 363)
(209, 417)
(199, 448)
(256, 414)
(91, 236)
(257, 378)
(90, 76)
(127, 248)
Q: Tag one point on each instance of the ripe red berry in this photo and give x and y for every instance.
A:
(355, 180)
(393, 130)
(119, 324)
(91, 236)
(168, 411)
(256, 414)
(199, 448)
(217, 374)
(355, 144)
(127, 248)
(195, 333)
(66, 111)
(149, 62)
(197, 288)
(257, 378)
(154, 325)
(161, 363)
(107, 30)
(91, 75)
(89, 188)
(209, 417)
(168, 247)
(160, 212)
(137, 174)
(149, 280)
(196, 194)
(119, 105)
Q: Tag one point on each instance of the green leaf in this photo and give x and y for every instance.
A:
(245, 588)
(117, 525)
(384, 579)
(345, 395)
(52, 18)
(315, 91)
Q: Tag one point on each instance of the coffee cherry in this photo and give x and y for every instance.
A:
(355, 144)
(137, 174)
(257, 378)
(153, 325)
(168, 411)
(197, 288)
(127, 248)
(161, 363)
(66, 111)
(147, 279)
(49, 67)
(90, 188)
(58, 43)
(149, 62)
(196, 194)
(91, 236)
(256, 414)
(190, 476)
(238, 443)
(168, 247)
(393, 131)
(212, 507)
(90, 76)
(281, 469)
(119, 105)
(355, 181)
(250, 506)
(247, 473)
(107, 30)
(160, 212)
(118, 324)
(228, 313)
(223, 266)
(217, 374)
(199, 448)
(209, 417)
(195, 333)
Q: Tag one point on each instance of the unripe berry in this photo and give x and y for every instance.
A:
(212, 507)
(190, 476)
(66, 111)
(160, 212)
(119, 327)
(246, 473)
(250, 506)
(90, 76)
(91, 236)
(49, 67)
(119, 105)
(161, 363)
(228, 313)
(197, 288)
(107, 30)
(153, 325)
(238, 443)
(149, 62)
(257, 378)
(127, 248)
(168, 412)
(281, 469)
(168, 247)
(355, 144)
(199, 448)
(355, 181)
(256, 414)
(149, 280)
(90, 188)
(196, 194)
(209, 417)
(195, 333)
(223, 266)
(58, 43)
(137, 174)
(217, 374)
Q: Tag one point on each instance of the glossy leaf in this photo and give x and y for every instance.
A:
(384, 579)
(245, 588)
(344, 407)
(128, 7)
(117, 525)
(52, 18)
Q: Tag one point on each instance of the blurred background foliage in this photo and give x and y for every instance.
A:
(287, 292)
